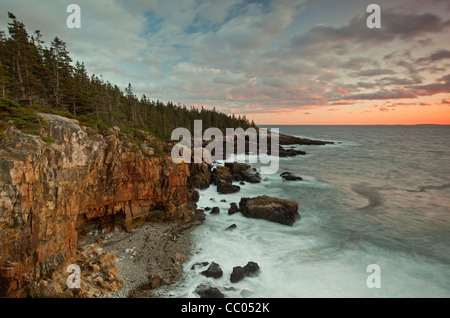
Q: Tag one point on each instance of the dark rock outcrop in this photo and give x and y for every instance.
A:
(213, 270)
(252, 269)
(239, 273)
(202, 264)
(291, 140)
(237, 167)
(233, 208)
(206, 291)
(289, 152)
(224, 187)
(243, 172)
(270, 208)
(215, 210)
(289, 176)
(251, 175)
(221, 173)
(200, 175)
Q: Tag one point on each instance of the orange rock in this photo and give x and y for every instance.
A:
(50, 193)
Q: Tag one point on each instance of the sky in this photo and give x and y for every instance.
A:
(293, 62)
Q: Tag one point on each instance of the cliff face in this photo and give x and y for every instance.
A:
(49, 193)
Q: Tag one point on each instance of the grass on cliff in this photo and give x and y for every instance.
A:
(23, 117)
(27, 120)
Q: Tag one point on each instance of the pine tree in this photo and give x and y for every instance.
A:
(59, 64)
(5, 80)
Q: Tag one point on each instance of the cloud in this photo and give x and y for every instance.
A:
(382, 94)
(442, 86)
(439, 55)
(374, 72)
(394, 26)
(252, 56)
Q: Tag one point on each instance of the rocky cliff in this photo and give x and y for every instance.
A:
(52, 190)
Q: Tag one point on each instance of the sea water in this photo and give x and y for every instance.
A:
(378, 195)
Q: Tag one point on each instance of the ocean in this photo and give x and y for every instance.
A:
(379, 195)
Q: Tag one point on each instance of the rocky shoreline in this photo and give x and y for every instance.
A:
(120, 213)
(150, 259)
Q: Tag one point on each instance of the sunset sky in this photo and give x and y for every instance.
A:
(277, 62)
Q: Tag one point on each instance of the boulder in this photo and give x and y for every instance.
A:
(206, 291)
(237, 167)
(251, 175)
(289, 176)
(249, 270)
(213, 270)
(233, 208)
(231, 227)
(269, 208)
(200, 175)
(221, 173)
(238, 274)
(193, 195)
(215, 210)
(252, 269)
(224, 187)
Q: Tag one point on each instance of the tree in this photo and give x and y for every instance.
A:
(18, 46)
(5, 79)
(59, 64)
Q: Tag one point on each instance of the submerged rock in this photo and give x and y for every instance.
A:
(269, 208)
(231, 227)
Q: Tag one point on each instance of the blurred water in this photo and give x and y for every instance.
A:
(380, 195)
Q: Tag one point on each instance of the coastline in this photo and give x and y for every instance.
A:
(150, 258)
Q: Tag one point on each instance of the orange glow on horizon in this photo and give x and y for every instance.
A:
(375, 115)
